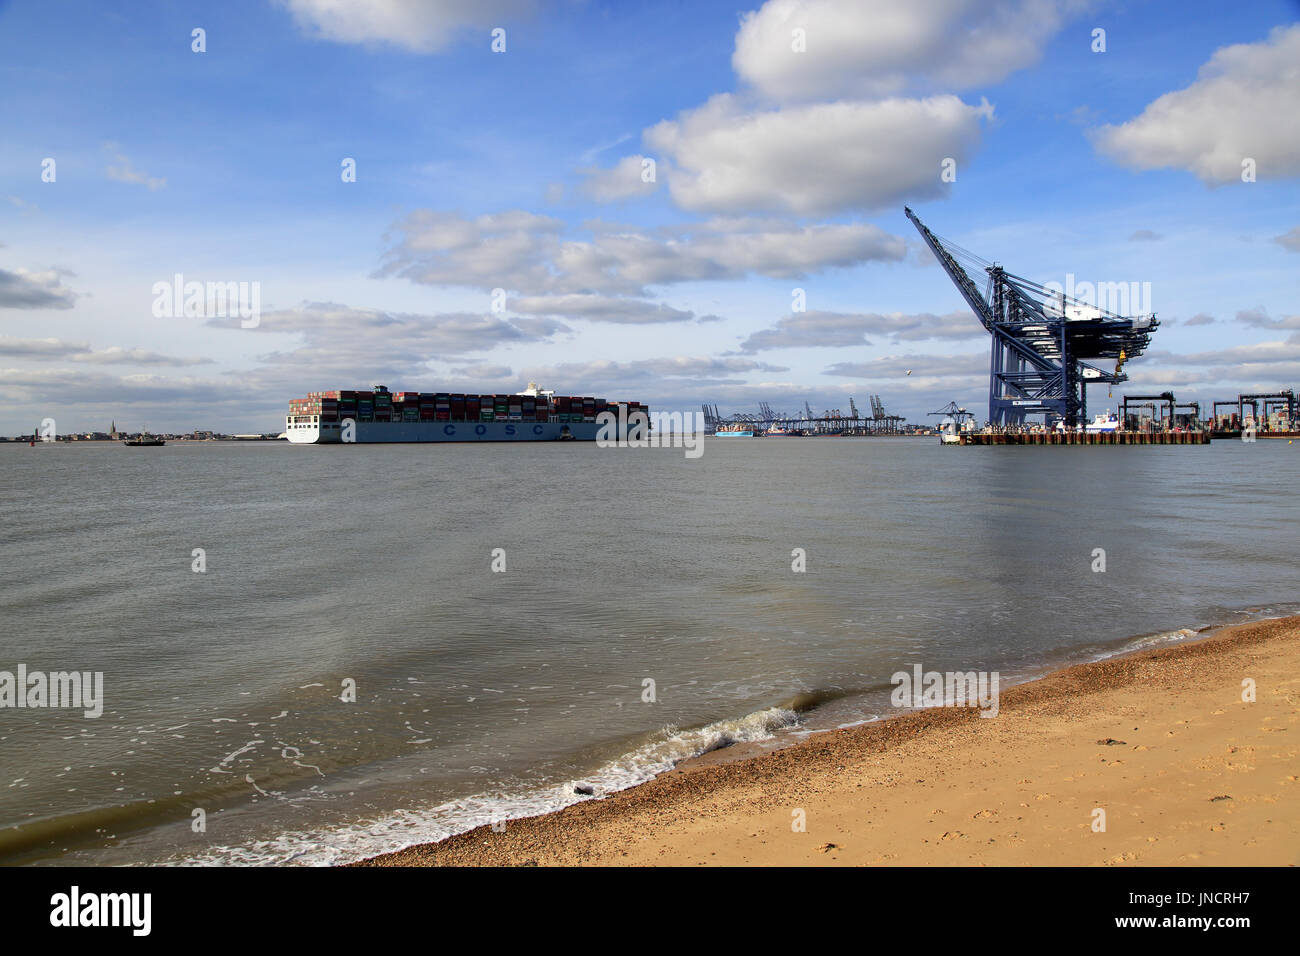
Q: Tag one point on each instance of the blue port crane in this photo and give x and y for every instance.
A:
(1042, 338)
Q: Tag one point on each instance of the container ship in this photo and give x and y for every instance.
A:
(734, 431)
(378, 415)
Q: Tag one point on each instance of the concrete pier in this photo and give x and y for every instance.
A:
(1086, 438)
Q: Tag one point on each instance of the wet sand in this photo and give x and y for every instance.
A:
(1186, 772)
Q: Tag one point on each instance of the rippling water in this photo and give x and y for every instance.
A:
(482, 695)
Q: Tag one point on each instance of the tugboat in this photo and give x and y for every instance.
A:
(145, 440)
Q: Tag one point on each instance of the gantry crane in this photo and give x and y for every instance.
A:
(1040, 338)
(1157, 404)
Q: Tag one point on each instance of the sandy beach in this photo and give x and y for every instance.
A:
(1186, 772)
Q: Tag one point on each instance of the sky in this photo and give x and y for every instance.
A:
(668, 202)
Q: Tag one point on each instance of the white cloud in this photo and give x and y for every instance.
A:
(1242, 105)
(1260, 319)
(116, 355)
(39, 348)
(1241, 358)
(525, 253)
(600, 308)
(35, 290)
(506, 250)
(866, 48)
(422, 26)
(841, 330)
(651, 377)
(345, 344)
(626, 179)
(481, 372)
(816, 159)
(99, 394)
(921, 366)
(52, 348)
(1289, 241)
(124, 172)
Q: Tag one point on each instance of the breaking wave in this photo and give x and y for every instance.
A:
(404, 828)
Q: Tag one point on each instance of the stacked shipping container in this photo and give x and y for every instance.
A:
(380, 405)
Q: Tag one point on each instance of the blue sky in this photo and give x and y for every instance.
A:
(520, 171)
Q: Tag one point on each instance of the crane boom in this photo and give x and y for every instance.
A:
(955, 272)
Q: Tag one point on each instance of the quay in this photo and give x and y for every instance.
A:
(1086, 438)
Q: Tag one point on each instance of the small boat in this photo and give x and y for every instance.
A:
(954, 425)
(144, 441)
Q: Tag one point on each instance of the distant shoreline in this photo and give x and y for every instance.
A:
(118, 441)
